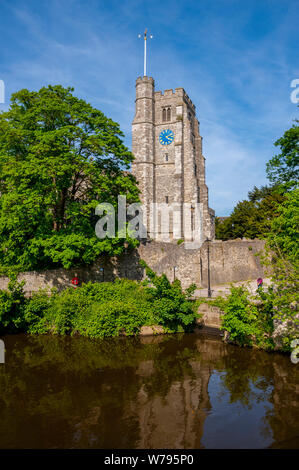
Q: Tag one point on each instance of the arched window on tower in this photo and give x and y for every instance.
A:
(166, 114)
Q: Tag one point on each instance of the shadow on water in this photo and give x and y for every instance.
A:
(183, 391)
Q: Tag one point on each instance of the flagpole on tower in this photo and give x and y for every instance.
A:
(145, 51)
(144, 63)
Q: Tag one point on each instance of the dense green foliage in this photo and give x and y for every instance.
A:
(284, 234)
(170, 304)
(282, 263)
(270, 318)
(59, 157)
(12, 304)
(283, 169)
(248, 318)
(95, 310)
(100, 309)
(251, 218)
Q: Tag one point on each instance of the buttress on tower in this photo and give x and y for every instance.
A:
(169, 165)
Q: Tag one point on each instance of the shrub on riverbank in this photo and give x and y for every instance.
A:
(268, 319)
(95, 310)
(101, 309)
(12, 303)
(248, 318)
(281, 261)
(252, 319)
(172, 307)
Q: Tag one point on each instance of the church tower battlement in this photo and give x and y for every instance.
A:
(169, 164)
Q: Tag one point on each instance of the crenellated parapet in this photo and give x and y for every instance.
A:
(177, 93)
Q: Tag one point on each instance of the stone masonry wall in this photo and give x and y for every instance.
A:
(230, 261)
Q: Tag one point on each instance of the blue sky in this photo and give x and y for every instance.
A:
(235, 59)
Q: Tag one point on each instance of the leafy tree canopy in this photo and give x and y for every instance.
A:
(283, 169)
(59, 157)
(284, 235)
(251, 218)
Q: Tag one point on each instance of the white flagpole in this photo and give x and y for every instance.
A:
(144, 65)
(145, 51)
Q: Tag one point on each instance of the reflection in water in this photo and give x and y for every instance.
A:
(183, 391)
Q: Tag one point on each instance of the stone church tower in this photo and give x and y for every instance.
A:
(169, 165)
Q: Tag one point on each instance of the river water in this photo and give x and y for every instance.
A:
(177, 391)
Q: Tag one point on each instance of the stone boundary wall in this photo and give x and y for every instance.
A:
(230, 261)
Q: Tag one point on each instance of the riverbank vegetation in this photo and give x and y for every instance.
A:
(270, 318)
(248, 319)
(100, 309)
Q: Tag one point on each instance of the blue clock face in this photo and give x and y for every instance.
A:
(166, 137)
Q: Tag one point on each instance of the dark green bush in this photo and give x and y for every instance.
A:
(110, 309)
(248, 319)
(112, 318)
(172, 307)
(95, 310)
(12, 303)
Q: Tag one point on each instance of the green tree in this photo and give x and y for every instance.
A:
(257, 194)
(283, 169)
(251, 218)
(223, 228)
(243, 219)
(59, 157)
(284, 235)
(281, 260)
